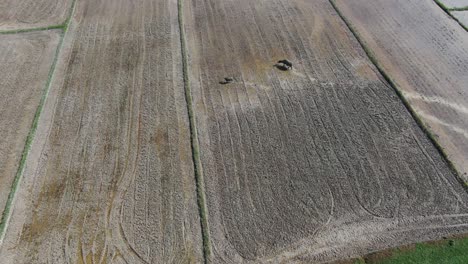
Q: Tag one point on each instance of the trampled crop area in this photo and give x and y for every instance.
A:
(236, 131)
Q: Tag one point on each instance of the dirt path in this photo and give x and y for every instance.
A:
(26, 14)
(316, 163)
(424, 52)
(25, 62)
(110, 175)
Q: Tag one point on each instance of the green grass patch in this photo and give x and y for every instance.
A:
(448, 251)
(26, 30)
(459, 8)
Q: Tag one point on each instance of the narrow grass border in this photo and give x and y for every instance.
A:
(465, 8)
(26, 30)
(6, 214)
(447, 10)
(408, 106)
(201, 198)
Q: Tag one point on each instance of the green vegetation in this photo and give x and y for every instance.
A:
(360, 261)
(449, 251)
(16, 31)
(194, 141)
(459, 8)
(32, 132)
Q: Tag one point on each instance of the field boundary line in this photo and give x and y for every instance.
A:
(200, 186)
(410, 109)
(465, 8)
(447, 11)
(6, 215)
(27, 30)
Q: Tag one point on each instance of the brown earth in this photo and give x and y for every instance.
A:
(110, 176)
(15, 14)
(315, 164)
(25, 62)
(424, 51)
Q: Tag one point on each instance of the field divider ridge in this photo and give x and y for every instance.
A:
(32, 132)
(200, 186)
(27, 30)
(410, 109)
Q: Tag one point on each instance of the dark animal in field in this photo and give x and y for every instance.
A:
(283, 65)
(227, 80)
(286, 62)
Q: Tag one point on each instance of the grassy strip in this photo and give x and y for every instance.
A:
(32, 132)
(26, 30)
(449, 251)
(201, 199)
(447, 10)
(458, 8)
(393, 84)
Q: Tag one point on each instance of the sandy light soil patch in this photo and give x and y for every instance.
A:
(454, 3)
(25, 62)
(15, 15)
(424, 52)
(110, 176)
(461, 16)
(313, 164)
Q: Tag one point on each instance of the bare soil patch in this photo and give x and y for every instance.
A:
(110, 176)
(461, 16)
(25, 62)
(15, 15)
(313, 164)
(454, 3)
(424, 53)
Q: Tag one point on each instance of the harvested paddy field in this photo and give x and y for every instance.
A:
(311, 160)
(110, 176)
(311, 164)
(25, 14)
(25, 61)
(425, 53)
